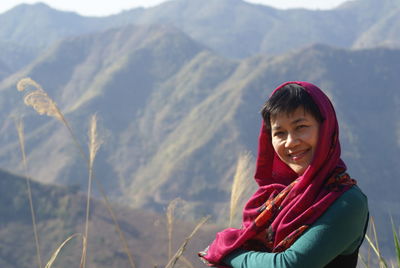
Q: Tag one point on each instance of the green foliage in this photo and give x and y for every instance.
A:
(396, 243)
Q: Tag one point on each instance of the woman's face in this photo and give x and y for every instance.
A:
(295, 138)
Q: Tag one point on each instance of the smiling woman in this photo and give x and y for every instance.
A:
(307, 212)
(294, 128)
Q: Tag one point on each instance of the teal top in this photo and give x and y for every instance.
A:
(339, 231)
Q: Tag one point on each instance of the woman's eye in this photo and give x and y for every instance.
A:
(301, 127)
(279, 134)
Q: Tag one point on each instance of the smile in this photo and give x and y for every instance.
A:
(296, 156)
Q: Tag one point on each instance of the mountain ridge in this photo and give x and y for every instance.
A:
(234, 29)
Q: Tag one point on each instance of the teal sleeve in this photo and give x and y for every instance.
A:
(339, 231)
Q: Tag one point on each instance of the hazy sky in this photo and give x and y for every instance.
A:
(101, 8)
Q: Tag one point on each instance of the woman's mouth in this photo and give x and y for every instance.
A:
(298, 155)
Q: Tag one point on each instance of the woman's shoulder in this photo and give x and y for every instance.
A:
(352, 204)
(354, 197)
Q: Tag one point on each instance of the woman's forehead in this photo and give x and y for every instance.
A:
(288, 114)
(294, 117)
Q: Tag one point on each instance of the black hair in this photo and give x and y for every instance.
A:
(287, 100)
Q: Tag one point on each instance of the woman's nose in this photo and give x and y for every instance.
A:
(291, 140)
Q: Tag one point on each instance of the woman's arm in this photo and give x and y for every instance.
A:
(339, 231)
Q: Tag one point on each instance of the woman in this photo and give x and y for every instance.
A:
(307, 211)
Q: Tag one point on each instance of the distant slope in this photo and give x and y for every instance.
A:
(233, 28)
(117, 70)
(38, 25)
(60, 212)
(15, 55)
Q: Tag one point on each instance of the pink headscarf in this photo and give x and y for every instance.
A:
(307, 198)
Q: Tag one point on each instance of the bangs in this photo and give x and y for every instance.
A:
(286, 100)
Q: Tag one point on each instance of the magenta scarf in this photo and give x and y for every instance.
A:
(286, 204)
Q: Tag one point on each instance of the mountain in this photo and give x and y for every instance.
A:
(232, 28)
(119, 68)
(176, 116)
(60, 212)
(16, 56)
(27, 30)
(38, 25)
(238, 29)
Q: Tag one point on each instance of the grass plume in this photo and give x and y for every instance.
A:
(94, 145)
(40, 101)
(21, 137)
(170, 222)
(240, 183)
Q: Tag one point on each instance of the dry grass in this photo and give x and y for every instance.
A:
(240, 186)
(57, 251)
(21, 137)
(44, 105)
(94, 145)
(40, 101)
(374, 244)
(170, 223)
(182, 248)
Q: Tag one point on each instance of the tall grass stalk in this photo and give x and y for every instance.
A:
(373, 243)
(121, 235)
(170, 223)
(239, 184)
(364, 262)
(94, 145)
(382, 262)
(57, 251)
(43, 104)
(20, 129)
(396, 242)
(182, 248)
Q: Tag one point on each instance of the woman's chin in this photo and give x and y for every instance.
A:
(298, 169)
